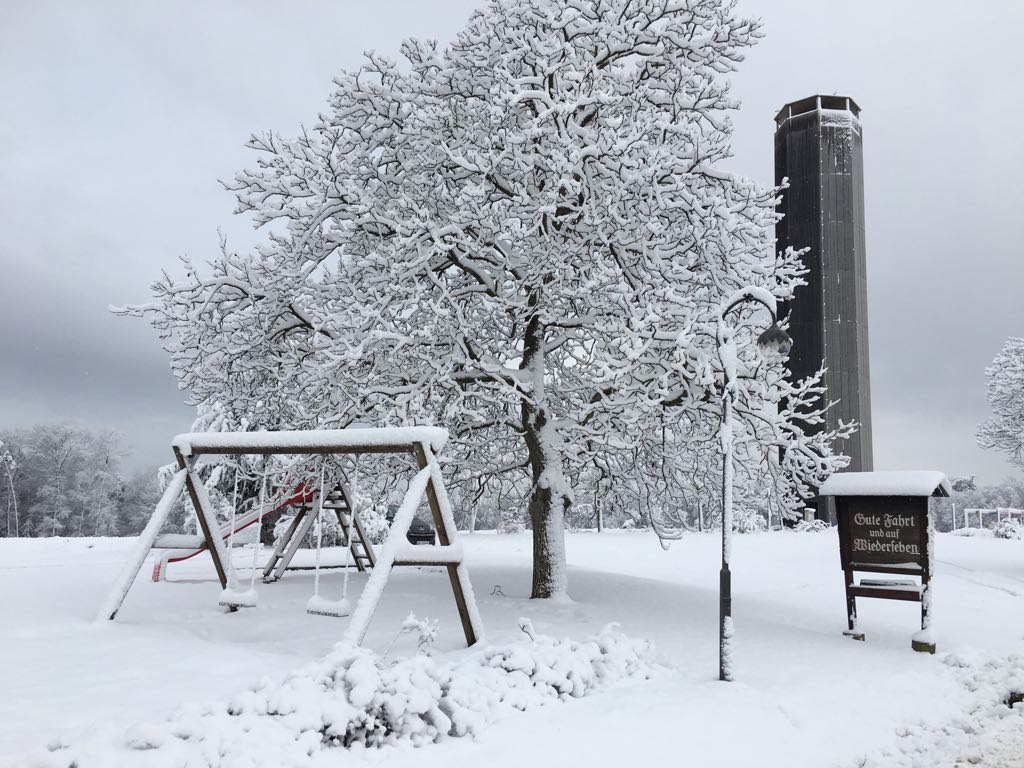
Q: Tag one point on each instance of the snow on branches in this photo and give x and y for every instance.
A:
(1004, 430)
(524, 237)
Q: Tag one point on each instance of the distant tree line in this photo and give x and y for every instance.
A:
(66, 480)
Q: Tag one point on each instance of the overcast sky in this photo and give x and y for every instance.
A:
(118, 118)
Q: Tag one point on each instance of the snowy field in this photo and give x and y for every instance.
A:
(804, 695)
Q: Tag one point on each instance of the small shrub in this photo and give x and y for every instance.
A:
(748, 520)
(1009, 529)
(375, 522)
(811, 526)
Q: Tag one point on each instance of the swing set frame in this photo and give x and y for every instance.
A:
(422, 442)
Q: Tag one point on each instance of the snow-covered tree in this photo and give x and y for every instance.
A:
(1004, 430)
(99, 485)
(525, 237)
(9, 465)
(60, 449)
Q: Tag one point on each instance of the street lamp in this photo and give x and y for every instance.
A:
(772, 344)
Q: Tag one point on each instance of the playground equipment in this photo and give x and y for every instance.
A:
(318, 605)
(232, 597)
(183, 546)
(339, 501)
(421, 442)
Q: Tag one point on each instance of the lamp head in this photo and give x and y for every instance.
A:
(774, 343)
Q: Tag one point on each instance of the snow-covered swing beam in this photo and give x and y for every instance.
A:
(422, 442)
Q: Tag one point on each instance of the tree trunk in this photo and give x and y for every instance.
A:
(549, 502)
(598, 506)
(549, 499)
(12, 499)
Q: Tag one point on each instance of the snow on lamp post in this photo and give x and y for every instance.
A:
(772, 344)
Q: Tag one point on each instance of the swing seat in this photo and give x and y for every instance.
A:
(321, 606)
(238, 598)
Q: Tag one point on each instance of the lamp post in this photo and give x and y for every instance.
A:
(772, 344)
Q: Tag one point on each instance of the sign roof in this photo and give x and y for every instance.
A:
(899, 483)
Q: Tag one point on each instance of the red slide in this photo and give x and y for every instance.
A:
(183, 546)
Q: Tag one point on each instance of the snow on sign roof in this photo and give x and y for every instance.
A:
(384, 439)
(901, 483)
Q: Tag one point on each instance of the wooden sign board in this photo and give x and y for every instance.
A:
(885, 526)
(893, 533)
(890, 535)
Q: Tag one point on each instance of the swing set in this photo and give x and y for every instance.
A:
(316, 503)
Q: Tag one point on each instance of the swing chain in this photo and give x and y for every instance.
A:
(319, 534)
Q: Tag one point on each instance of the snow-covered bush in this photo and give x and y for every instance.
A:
(420, 701)
(332, 534)
(375, 522)
(512, 521)
(748, 520)
(353, 697)
(281, 527)
(425, 630)
(636, 523)
(1008, 529)
(811, 526)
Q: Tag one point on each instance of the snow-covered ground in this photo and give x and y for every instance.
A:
(804, 695)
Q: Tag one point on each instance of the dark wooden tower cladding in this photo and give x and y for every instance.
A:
(818, 149)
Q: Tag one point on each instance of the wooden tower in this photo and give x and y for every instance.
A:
(818, 148)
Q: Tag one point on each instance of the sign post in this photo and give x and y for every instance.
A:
(885, 527)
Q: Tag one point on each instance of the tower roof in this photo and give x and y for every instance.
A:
(812, 103)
